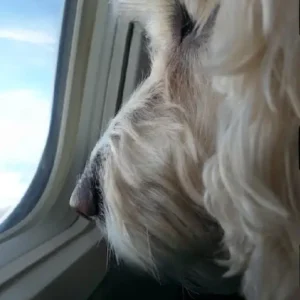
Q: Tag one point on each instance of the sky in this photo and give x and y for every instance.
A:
(29, 40)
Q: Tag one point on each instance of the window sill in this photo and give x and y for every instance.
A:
(55, 269)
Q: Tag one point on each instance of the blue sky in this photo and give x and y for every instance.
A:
(29, 36)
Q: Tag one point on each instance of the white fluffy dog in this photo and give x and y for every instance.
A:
(200, 167)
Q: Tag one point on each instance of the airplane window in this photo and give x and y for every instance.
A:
(30, 33)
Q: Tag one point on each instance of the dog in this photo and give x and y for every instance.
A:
(196, 179)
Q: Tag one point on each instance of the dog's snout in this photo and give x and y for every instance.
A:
(82, 199)
(87, 197)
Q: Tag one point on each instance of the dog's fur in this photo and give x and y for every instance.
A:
(205, 151)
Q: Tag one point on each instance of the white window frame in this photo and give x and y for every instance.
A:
(43, 250)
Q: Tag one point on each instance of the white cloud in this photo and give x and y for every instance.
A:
(28, 36)
(24, 124)
(11, 188)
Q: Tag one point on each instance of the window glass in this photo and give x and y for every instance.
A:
(29, 43)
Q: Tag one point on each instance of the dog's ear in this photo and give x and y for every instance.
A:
(164, 20)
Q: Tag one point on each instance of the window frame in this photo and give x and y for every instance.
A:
(52, 232)
(40, 224)
(67, 146)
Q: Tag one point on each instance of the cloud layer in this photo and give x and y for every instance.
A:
(28, 36)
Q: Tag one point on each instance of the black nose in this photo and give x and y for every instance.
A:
(82, 199)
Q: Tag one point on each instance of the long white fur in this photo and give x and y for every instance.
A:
(252, 182)
(219, 143)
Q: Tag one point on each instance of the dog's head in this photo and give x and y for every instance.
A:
(143, 183)
(194, 159)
